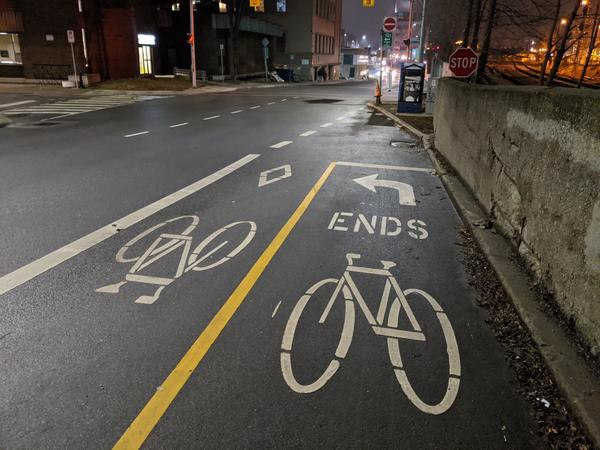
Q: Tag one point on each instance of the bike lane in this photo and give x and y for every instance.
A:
(276, 377)
(82, 351)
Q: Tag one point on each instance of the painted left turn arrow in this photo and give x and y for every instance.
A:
(405, 191)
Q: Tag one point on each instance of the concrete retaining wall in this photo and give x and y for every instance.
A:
(532, 158)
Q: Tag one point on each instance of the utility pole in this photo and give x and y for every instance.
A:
(193, 44)
(410, 19)
(422, 33)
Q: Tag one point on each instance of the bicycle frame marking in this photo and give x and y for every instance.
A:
(167, 243)
(347, 287)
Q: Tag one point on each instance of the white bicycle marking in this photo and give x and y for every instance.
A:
(399, 303)
(165, 244)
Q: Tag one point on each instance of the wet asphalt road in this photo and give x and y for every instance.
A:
(169, 289)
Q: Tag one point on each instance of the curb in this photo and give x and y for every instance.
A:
(426, 139)
(4, 121)
(570, 372)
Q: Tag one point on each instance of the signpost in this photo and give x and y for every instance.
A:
(265, 44)
(193, 44)
(463, 62)
(71, 39)
(389, 24)
(221, 48)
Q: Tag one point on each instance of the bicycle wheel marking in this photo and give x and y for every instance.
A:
(166, 243)
(399, 303)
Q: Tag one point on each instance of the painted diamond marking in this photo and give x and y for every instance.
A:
(264, 176)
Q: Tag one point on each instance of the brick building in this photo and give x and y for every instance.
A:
(313, 35)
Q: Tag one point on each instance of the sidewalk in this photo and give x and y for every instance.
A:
(207, 87)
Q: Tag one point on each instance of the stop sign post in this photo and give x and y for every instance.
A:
(389, 24)
(463, 62)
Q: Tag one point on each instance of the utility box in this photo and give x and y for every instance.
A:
(412, 80)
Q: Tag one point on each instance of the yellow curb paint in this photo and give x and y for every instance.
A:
(144, 423)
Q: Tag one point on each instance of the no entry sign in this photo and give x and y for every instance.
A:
(463, 62)
(389, 24)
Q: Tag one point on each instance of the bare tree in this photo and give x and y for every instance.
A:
(550, 44)
(477, 13)
(592, 45)
(563, 44)
(235, 12)
(467, 30)
(485, 50)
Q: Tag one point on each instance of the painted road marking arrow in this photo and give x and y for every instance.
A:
(405, 191)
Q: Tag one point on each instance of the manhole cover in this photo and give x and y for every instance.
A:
(324, 100)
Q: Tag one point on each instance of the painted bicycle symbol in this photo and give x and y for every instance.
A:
(200, 259)
(386, 323)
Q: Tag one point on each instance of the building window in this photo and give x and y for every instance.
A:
(176, 6)
(10, 48)
(222, 7)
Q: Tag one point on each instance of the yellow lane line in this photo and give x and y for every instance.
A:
(144, 423)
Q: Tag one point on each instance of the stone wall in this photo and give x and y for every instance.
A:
(531, 155)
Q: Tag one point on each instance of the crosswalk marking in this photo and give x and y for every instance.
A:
(82, 105)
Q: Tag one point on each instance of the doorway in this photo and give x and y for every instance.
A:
(145, 55)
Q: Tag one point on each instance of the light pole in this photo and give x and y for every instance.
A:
(410, 19)
(193, 44)
(422, 33)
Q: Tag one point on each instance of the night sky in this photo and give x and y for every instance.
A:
(359, 20)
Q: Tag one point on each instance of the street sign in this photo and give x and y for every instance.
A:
(463, 62)
(387, 40)
(71, 36)
(265, 42)
(368, 3)
(389, 24)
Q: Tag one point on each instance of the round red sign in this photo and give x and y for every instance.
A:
(389, 24)
(463, 62)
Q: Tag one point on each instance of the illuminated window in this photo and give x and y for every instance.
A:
(10, 49)
(222, 7)
(146, 39)
(176, 6)
(145, 54)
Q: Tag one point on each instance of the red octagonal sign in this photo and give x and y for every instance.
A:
(463, 62)
(389, 24)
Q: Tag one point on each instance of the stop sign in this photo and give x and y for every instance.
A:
(389, 24)
(463, 62)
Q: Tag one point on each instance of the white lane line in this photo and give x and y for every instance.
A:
(380, 166)
(341, 118)
(177, 125)
(276, 309)
(281, 144)
(59, 117)
(296, 97)
(236, 112)
(271, 103)
(308, 133)
(284, 99)
(45, 263)
(211, 117)
(24, 102)
(327, 125)
(49, 111)
(255, 107)
(136, 134)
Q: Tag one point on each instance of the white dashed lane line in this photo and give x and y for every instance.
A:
(136, 134)
(211, 117)
(327, 125)
(255, 107)
(281, 144)
(236, 112)
(179, 125)
(284, 99)
(341, 118)
(308, 133)
(271, 103)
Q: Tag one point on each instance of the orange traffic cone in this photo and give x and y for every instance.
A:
(377, 93)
